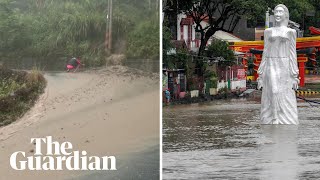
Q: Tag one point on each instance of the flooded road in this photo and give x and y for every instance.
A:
(224, 140)
(96, 111)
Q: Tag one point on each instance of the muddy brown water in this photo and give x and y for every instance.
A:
(59, 64)
(97, 112)
(224, 140)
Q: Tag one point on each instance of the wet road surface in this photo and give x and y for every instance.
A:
(138, 165)
(224, 140)
(97, 112)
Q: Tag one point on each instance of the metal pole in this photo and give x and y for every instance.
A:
(110, 27)
(107, 29)
(267, 23)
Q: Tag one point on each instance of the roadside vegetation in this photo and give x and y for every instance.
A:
(47, 33)
(54, 31)
(18, 92)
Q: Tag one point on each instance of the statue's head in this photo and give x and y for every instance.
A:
(281, 15)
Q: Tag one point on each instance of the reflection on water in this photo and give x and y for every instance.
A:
(224, 140)
(281, 156)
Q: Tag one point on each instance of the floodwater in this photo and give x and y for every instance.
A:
(97, 112)
(224, 140)
(138, 165)
(47, 64)
(58, 64)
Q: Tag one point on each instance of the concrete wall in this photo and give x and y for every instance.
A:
(241, 84)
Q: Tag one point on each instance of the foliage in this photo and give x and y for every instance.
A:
(8, 87)
(166, 46)
(219, 48)
(18, 92)
(138, 26)
(180, 60)
(313, 21)
(220, 14)
(34, 77)
(47, 29)
(144, 40)
(13, 81)
(211, 77)
(224, 14)
(297, 9)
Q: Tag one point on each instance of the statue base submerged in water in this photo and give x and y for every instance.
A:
(278, 72)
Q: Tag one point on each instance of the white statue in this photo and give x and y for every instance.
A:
(278, 72)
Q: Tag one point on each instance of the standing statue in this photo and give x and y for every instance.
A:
(278, 72)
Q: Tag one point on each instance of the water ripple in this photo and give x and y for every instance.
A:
(224, 140)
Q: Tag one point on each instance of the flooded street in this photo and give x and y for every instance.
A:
(96, 111)
(224, 140)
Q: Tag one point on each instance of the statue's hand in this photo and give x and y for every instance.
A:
(260, 86)
(295, 84)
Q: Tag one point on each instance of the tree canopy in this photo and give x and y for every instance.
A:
(220, 14)
(220, 48)
(225, 14)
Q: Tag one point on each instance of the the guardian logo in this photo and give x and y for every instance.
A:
(59, 157)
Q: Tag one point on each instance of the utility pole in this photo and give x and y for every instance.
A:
(267, 23)
(108, 40)
(110, 27)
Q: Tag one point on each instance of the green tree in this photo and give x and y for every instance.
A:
(166, 47)
(220, 14)
(219, 48)
(143, 41)
(46, 29)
